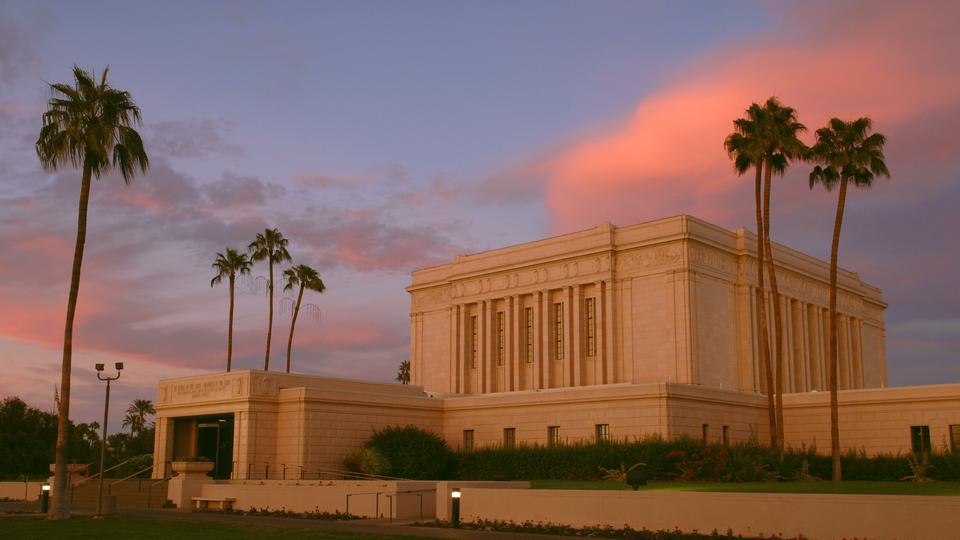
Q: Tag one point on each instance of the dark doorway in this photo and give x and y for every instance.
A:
(209, 437)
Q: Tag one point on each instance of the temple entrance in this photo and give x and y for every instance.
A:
(205, 437)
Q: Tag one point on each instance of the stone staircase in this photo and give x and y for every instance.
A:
(133, 493)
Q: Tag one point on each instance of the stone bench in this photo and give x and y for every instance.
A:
(203, 503)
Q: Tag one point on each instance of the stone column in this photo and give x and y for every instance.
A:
(569, 361)
(163, 446)
(599, 354)
(855, 332)
(576, 334)
(539, 353)
(516, 359)
(843, 356)
(609, 344)
(547, 348)
(462, 355)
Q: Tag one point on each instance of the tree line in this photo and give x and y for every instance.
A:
(27, 436)
(845, 152)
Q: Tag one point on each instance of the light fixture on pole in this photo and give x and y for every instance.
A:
(455, 514)
(103, 438)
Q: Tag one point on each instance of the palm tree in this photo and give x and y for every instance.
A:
(306, 278)
(136, 417)
(780, 146)
(229, 264)
(403, 373)
(87, 125)
(133, 422)
(846, 152)
(271, 246)
(745, 149)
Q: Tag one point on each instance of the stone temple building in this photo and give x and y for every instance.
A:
(608, 333)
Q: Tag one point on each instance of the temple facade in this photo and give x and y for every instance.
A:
(607, 334)
(673, 300)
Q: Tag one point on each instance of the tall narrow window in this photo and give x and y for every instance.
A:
(468, 439)
(553, 435)
(955, 437)
(920, 439)
(603, 432)
(726, 435)
(473, 340)
(528, 316)
(706, 433)
(500, 344)
(558, 331)
(509, 437)
(591, 327)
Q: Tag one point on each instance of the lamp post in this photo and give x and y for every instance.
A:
(455, 517)
(103, 438)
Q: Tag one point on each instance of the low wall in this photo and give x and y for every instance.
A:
(396, 499)
(445, 488)
(815, 516)
(20, 491)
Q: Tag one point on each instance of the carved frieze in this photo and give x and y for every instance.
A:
(205, 390)
(535, 277)
(713, 259)
(431, 298)
(645, 259)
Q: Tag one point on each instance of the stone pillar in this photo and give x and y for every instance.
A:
(599, 354)
(857, 343)
(516, 358)
(609, 344)
(576, 334)
(843, 356)
(484, 349)
(462, 359)
(569, 363)
(539, 340)
(162, 446)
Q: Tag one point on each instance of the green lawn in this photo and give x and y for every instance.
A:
(853, 487)
(146, 528)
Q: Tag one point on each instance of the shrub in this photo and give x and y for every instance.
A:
(366, 461)
(687, 459)
(414, 453)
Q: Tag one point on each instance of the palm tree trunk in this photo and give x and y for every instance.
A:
(60, 508)
(266, 358)
(764, 351)
(777, 314)
(233, 278)
(834, 403)
(293, 323)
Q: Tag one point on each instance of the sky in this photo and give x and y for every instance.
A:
(382, 137)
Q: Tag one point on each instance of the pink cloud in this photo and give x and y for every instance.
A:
(668, 158)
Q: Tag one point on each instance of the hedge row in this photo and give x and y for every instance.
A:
(688, 459)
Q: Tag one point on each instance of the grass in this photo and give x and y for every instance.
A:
(849, 487)
(146, 528)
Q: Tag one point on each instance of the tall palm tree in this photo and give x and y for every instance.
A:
(136, 417)
(87, 125)
(745, 149)
(270, 246)
(133, 422)
(847, 152)
(780, 146)
(228, 264)
(304, 277)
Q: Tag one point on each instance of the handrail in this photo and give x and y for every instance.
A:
(132, 475)
(91, 477)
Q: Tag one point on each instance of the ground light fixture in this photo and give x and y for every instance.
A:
(103, 439)
(44, 498)
(455, 514)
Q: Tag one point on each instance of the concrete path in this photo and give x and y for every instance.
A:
(396, 528)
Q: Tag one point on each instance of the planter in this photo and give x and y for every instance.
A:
(192, 468)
